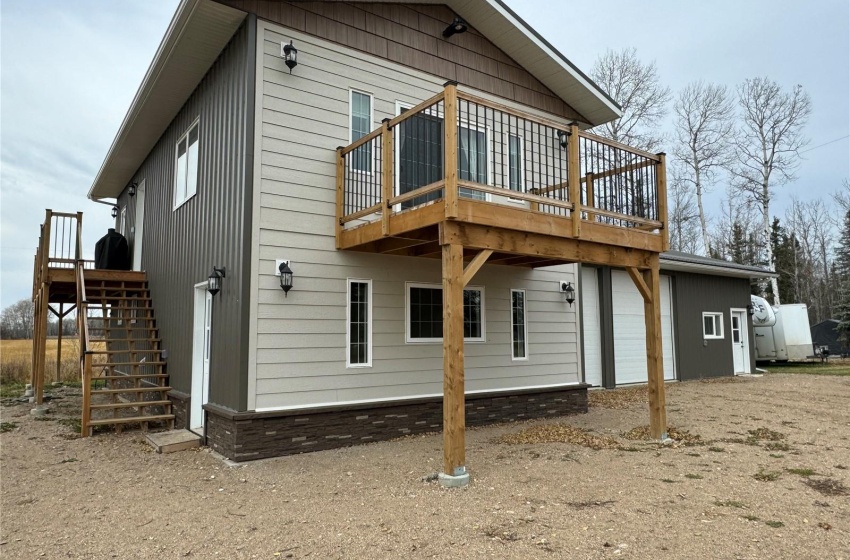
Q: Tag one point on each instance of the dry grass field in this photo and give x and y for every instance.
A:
(16, 361)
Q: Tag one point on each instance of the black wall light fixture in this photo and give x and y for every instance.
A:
(285, 278)
(456, 26)
(131, 190)
(567, 288)
(563, 138)
(214, 281)
(114, 211)
(290, 56)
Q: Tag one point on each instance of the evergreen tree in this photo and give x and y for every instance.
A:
(842, 269)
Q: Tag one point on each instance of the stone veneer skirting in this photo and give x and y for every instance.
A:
(246, 436)
(180, 409)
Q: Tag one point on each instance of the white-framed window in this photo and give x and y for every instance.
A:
(123, 225)
(359, 323)
(519, 328)
(186, 166)
(515, 162)
(424, 313)
(473, 157)
(712, 325)
(360, 124)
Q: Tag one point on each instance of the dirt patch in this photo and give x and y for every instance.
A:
(558, 433)
(547, 498)
(618, 398)
(682, 437)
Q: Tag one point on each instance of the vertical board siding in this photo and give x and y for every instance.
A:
(411, 35)
(697, 293)
(181, 246)
(301, 339)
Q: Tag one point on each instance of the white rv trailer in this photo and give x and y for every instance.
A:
(782, 332)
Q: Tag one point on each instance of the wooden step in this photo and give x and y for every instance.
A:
(118, 308)
(129, 390)
(100, 298)
(125, 339)
(131, 420)
(129, 404)
(113, 364)
(124, 328)
(127, 351)
(130, 376)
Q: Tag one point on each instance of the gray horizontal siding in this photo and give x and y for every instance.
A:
(299, 346)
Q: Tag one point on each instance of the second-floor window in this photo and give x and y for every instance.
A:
(515, 162)
(361, 125)
(186, 172)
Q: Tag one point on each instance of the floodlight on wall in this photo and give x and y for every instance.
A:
(567, 288)
(114, 211)
(285, 277)
(214, 280)
(290, 55)
(131, 190)
(456, 26)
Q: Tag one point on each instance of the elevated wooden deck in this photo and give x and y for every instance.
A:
(469, 181)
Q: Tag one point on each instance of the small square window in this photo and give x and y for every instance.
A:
(425, 313)
(712, 325)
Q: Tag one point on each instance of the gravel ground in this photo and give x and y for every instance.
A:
(770, 481)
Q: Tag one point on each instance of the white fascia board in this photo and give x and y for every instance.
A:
(678, 266)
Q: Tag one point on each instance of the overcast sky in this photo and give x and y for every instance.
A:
(69, 70)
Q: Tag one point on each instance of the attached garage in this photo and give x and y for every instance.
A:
(692, 288)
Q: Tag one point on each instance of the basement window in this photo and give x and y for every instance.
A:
(186, 169)
(425, 313)
(712, 325)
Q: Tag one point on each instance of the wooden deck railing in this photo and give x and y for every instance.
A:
(500, 155)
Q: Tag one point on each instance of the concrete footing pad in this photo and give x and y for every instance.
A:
(173, 441)
(449, 481)
(39, 411)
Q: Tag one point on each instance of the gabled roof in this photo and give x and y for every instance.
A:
(686, 262)
(201, 29)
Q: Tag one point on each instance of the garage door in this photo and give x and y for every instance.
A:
(590, 327)
(630, 330)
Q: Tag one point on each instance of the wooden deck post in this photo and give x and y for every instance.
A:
(40, 343)
(340, 194)
(387, 182)
(59, 344)
(574, 179)
(454, 419)
(662, 202)
(648, 284)
(450, 159)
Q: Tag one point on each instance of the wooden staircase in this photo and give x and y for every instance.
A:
(124, 379)
(121, 364)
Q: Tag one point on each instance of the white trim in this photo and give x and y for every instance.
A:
(593, 88)
(412, 397)
(407, 337)
(123, 222)
(369, 321)
(718, 320)
(256, 187)
(524, 324)
(178, 203)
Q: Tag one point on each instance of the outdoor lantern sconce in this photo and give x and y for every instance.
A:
(290, 56)
(750, 309)
(114, 211)
(567, 287)
(132, 189)
(562, 138)
(214, 281)
(456, 26)
(285, 278)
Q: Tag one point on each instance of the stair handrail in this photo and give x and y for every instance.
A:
(85, 351)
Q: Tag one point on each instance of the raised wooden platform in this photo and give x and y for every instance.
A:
(173, 441)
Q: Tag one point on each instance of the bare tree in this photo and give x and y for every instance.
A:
(636, 87)
(683, 216)
(16, 321)
(768, 143)
(842, 199)
(704, 128)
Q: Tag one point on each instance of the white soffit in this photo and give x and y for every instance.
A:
(196, 36)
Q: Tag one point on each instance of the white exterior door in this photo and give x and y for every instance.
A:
(630, 330)
(740, 341)
(201, 345)
(139, 234)
(590, 327)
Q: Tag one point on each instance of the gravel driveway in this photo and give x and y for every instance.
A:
(764, 475)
